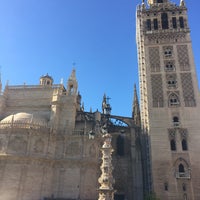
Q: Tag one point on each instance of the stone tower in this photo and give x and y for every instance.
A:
(170, 103)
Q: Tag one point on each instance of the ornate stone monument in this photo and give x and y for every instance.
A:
(106, 180)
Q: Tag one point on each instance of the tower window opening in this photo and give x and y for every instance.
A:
(159, 1)
(182, 172)
(181, 168)
(181, 22)
(169, 66)
(166, 186)
(71, 89)
(184, 187)
(171, 83)
(148, 24)
(155, 24)
(173, 145)
(168, 52)
(176, 121)
(174, 24)
(164, 19)
(184, 145)
(173, 100)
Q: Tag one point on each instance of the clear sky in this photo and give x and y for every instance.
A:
(48, 36)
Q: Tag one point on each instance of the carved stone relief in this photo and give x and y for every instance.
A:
(183, 57)
(188, 90)
(154, 58)
(39, 146)
(157, 90)
(73, 149)
(17, 144)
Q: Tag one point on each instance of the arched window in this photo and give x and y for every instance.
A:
(171, 83)
(164, 19)
(168, 52)
(184, 145)
(173, 100)
(120, 145)
(181, 21)
(181, 168)
(174, 24)
(155, 24)
(176, 121)
(148, 24)
(173, 145)
(169, 66)
(166, 186)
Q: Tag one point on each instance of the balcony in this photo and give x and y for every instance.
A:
(184, 175)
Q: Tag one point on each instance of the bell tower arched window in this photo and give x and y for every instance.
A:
(181, 21)
(171, 81)
(184, 145)
(155, 24)
(181, 168)
(164, 20)
(176, 121)
(173, 100)
(169, 66)
(174, 24)
(166, 186)
(173, 144)
(148, 24)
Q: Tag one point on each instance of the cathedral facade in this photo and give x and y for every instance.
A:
(51, 148)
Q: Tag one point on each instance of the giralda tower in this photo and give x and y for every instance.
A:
(170, 103)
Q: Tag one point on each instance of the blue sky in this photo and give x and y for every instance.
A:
(48, 36)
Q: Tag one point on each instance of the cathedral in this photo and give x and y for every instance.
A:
(52, 149)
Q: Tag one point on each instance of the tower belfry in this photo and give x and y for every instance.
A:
(169, 100)
(150, 2)
(72, 83)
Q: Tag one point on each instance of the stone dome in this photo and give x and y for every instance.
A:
(23, 118)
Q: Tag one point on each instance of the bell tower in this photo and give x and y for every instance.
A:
(170, 103)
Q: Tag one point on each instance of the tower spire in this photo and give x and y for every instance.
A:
(106, 108)
(72, 84)
(136, 108)
(182, 3)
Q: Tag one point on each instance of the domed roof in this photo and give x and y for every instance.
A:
(24, 118)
